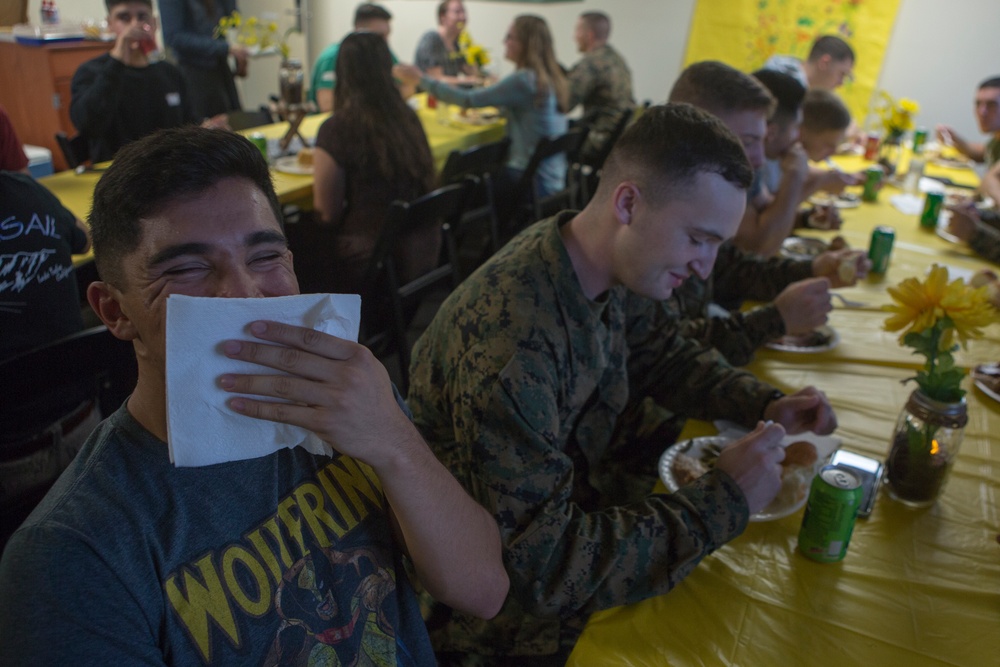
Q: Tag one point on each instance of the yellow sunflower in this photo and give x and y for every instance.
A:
(919, 305)
(896, 116)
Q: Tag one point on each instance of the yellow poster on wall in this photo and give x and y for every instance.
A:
(745, 33)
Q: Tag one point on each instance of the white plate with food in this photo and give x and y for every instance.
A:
(952, 163)
(805, 454)
(842, 200)
(820, 339)
(290, 164)
(987, 378)
(475, 117)
(802, 247)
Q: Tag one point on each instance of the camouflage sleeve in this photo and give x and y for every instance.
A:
(736, 336)
(563, 560)
(582, 80)
(740, 276)
(986, 242)
(683, 374)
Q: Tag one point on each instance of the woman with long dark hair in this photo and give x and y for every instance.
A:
(370, 152)
(534, 98)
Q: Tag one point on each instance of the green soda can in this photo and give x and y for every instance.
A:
(873, 178)
(880, 249)
(260, 141)
(919, 139)
(932, 209)
(834, 499)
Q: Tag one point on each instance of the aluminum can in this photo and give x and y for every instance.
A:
(880, 249)
(260, 141)
(834, 500)
(932, 209)
(871, 146)
(919, 139)
(873, 178)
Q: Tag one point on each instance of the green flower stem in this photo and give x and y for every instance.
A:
(932, 355)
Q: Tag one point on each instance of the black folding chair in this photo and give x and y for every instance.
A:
(242, 119)
(391, 299)
(91, 365)
(591, 165)
(484, 162)
(530, 206)
(75, 150)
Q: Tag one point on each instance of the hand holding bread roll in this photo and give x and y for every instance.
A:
(990, 280)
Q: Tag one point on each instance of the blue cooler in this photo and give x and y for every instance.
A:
(39, 160)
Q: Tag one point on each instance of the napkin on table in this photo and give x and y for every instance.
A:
(201, 428)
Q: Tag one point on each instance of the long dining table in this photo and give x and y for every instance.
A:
(445, 133)
(917, 587)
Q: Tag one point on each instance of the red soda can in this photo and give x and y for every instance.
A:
(871, 146)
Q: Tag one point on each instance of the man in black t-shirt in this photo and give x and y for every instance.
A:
(39, 301)
(123, 95)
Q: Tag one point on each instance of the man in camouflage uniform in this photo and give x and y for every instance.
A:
(520, 381)
(600, 81)
(799, 288)
(987, 108)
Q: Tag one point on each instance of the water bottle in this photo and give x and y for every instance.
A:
(912, 182)
(50, 14)
(443, 112)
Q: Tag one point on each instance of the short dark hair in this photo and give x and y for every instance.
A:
(992, 82)
(718, 88)
(114, 3)
(368, 11)
(599, 24)
(150, 173)
(823, 110)
(788, 94)
(669, 145)
(830, 45)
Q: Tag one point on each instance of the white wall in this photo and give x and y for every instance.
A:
(69, 10)
(938, 52)
(651, 34)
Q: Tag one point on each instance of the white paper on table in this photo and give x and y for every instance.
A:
(928, 184)
(957, 272)
(907, 204)
(201, 428)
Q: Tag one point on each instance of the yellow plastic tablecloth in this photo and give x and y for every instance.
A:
(76, 191)
(918, 587)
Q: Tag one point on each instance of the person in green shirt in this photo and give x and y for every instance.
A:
(368, 17)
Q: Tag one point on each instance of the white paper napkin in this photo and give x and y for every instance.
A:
(201, 428)
(907, 204)
(927, 184)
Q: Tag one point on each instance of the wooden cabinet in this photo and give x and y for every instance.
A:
(35, 89)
